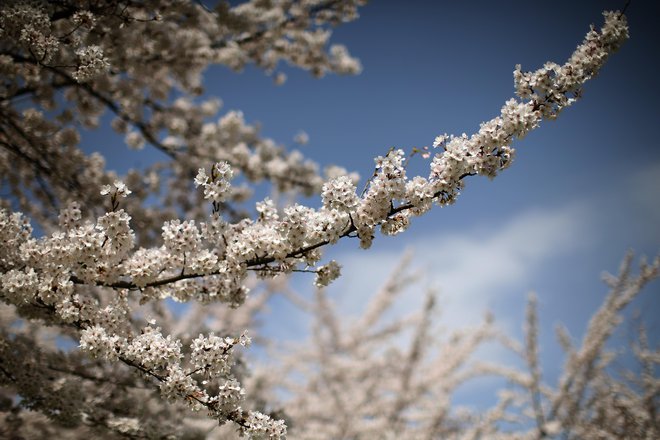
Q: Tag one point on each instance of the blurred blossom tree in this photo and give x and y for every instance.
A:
(110, 250)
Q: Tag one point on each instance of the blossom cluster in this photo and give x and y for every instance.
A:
(28, 24)
(92, 63)
(327, 273)
(217, 184)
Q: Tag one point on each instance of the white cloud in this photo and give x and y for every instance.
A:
(472, 268)
(643, 191)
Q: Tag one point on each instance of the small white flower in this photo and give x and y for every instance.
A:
(301, 138)
(117, 189)
(327, 274)
(439, 140)
(106, 189)
(280, 78)
(122, 189)
(92, 63)
(201, 178)
(216, 186)
(244, 339)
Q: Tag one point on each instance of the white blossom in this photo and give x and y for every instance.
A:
(217, 184)
(152, 350)
(98, 343)
(92, 63)
(211, 354)
(177, 384)
(327, 273)
(340, 194)
(118, 189)
(262, 427)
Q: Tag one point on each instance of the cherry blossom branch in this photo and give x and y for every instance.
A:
(254, 264)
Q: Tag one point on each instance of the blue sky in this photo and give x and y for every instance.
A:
(582, 191)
